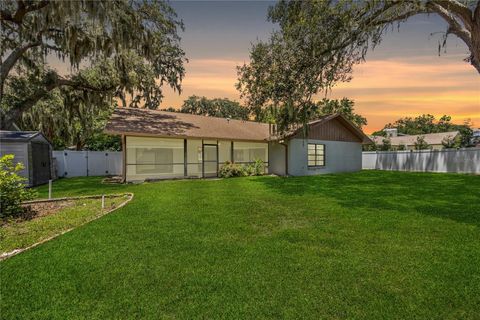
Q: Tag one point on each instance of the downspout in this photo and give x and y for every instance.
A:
(286, 157)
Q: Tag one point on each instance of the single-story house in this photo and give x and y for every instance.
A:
(163, 145)
(408, 141)
(33, 150)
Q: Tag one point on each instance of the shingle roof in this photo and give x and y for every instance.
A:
(172, 124)
(409, 140)
(17, 135)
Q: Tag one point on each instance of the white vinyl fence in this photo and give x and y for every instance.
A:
(87, 163)
(450, 160)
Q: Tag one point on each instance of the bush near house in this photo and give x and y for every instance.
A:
(12, 188)
(230, 169)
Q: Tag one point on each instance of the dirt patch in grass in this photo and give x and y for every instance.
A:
(41, 209)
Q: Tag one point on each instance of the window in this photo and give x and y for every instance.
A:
(316, 155)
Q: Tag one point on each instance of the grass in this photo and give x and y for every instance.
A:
(22, 234)
(368, 245)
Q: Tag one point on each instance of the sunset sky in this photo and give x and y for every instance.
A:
(404, 76)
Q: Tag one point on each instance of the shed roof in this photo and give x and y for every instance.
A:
(409, 140)
(174, 124)
(19, 136)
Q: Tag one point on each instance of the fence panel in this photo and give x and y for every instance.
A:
(114, 163)
(97, 163)
(450, 160)
(87, 163)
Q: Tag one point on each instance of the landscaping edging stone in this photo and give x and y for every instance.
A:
(7, 255)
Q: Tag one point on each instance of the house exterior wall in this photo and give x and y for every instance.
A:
(20, 151)
(340, 156)
(169, 158)
(277, 159)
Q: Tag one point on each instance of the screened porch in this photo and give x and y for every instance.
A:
(168, 158)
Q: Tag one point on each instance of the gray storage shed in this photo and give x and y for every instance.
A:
(33, 150)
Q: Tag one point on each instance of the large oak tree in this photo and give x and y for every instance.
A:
(136, 40)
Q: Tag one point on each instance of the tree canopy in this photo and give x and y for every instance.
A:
(134, 41)
(217, 107)
(345, 107)
(319, 42)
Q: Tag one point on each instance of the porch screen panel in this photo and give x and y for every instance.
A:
(194, 158)
(224, 151)
(154, 158)
(247, 152)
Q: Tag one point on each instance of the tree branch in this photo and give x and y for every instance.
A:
(454, 26)
(12, 58)
(459, 9)
(15, 113)
(22, 10)
(476, 14)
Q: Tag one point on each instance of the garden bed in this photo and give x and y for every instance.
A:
(46, 219)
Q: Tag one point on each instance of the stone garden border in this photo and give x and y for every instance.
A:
(7, 255)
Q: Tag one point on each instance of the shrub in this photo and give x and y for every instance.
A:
(255, 169)
(421, 144)
(229, 170)
(12, 188)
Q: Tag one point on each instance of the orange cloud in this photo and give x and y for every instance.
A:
(385, 90)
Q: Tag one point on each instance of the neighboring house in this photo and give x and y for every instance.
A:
(408, 141)
(163, 145)
(476, 137)
(33, 150)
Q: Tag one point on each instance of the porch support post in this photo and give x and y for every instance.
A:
(203, 161)
(218, 160)
(185, 157)
(124, 158)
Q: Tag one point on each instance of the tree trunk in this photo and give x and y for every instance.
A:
(475, 47)
(79, 145)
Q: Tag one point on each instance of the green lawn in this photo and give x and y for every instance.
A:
(369, 245)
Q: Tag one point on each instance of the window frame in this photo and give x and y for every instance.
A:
(316, 155)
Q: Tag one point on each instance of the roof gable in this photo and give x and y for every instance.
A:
(334, 127)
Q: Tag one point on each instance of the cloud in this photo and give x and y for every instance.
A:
(385, 90)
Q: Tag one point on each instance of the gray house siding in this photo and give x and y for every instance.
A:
(277, 158)
(340, 156)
